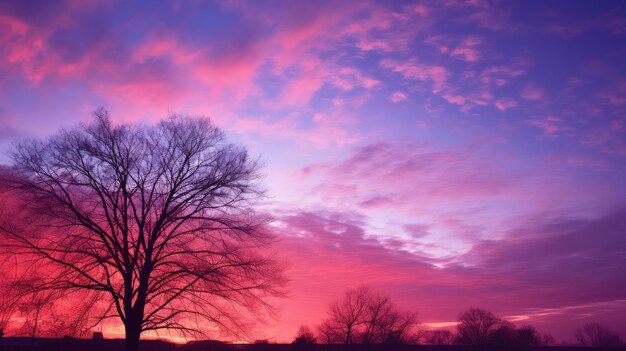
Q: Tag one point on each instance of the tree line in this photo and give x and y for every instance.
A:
(363, 316)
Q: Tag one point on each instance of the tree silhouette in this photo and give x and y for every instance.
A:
(385, 324)
(475, 326)
(304, 339)
(304, 336)
(346, 315)
(155, 218)
(506, 335)
(368, 318)
(597, 335)
(440, 337)
(527, 335)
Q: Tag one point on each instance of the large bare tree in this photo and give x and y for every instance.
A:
(156, 218)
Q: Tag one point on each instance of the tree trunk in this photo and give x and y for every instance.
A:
(32, 339)
(133, 332)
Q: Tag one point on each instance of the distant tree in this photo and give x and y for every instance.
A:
(475, 325)
(418, 335)
(329, 333)
(348, 314)
(304, 336)
(527, 335)
(384, 323)
(439, 337)
(368, 318)
(547, 340)
(506, 335)
(502, 335)
(377, 309)
(156, 217)
(597, 335)
(304, 340)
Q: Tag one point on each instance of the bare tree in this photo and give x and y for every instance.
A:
(527, 335)
(304, 340)
(597, 335)
(475, 326)
(547, 340)
(157, 218)
(304, 336)
(376, 317)
(368, 318)
(328, 334)
(346, 315)
(385, 324)
(507, 336)
(440, 337)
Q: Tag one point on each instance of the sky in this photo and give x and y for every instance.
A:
(450, 154)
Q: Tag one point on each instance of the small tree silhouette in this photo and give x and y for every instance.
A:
(475, 326)
(368, 318)
(440, 337)
(304, 336)
(597, 335)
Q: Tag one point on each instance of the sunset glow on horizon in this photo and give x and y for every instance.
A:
(450, 154)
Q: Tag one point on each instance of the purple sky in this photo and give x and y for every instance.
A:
(451, 154)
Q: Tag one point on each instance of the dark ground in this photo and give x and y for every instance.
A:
(70, 344)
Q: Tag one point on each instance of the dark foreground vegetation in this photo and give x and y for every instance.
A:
(66, 344)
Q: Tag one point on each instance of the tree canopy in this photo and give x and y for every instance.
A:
(154, 220)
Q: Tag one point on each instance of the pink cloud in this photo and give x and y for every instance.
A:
(437, 75)
(550, 125)
(455, 99)
(467, 102)
(348, 78)
(165, 47)
(468, 50)
(532, 93)
(397, 96)
(469, 190)
(501, 75)
(217, 71)
(377, 201)
(392, 171)
(328, 129)
(22, 45)
(390, 31)
(506, 103)
(420, 9)
(438, 42)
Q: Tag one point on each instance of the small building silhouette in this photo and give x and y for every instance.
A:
(97, 336)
